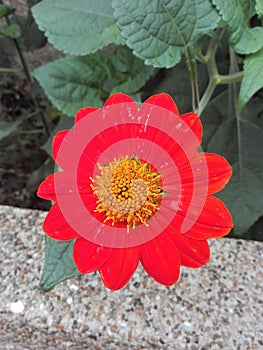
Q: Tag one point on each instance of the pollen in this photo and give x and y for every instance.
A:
(129, 191)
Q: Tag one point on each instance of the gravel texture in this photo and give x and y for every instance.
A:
(219, 306)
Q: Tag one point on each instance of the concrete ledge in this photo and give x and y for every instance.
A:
(216, 307)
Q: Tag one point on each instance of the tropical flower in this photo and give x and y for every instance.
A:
(135, 187)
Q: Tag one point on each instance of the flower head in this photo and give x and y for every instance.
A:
(134, 187)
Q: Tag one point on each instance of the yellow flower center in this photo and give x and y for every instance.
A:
(128, 191)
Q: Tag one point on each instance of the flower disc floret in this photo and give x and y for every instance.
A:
(128, 191)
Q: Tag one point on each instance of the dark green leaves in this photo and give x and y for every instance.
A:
(75, 82)
(59, 264)
(253, 78)
(159, 31)
(244, 39)
(77, 27)
(240, 140)
(129, 72)
(72, 82)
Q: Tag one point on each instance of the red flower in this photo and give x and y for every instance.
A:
(134, 188)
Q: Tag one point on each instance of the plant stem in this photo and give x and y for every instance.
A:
(28, 77)
(209, 60)
(229, 78)
(20, 54)
(7, 70)
(207, 95)
(192, 69)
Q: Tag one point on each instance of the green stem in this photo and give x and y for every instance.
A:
(28, 77)
(207, 95)
(20, 54)
(210, 62)
(229, 78)
(192, 69)
(7, 70)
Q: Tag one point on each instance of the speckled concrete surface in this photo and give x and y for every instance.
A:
(219, 306)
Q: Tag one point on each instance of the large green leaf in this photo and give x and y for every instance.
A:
(59, 264)
(259, 8)
(253, 78)
(129, 72)
(240, 140)
(77, 27)
(245, 40)
(75, 82)
(159, 30)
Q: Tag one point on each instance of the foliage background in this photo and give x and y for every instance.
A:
(208, 54)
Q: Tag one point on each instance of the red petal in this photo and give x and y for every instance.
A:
(57, 141)
(88, 256)
(219, 171)
(211, 171)
(214, 220)
(118, 98)
(194, 122)
(163, 100)
(83, 112)
(161, 260)
(193, 253)
(61, 183)
(119, 267)
(46, 189)
(57, 227)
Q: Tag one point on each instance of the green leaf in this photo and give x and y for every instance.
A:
(131, 72)
(240, 140)
(245, 40)
(251, 41)
(73, 82)
(259, 8)
(11, 31)
(59, 264)
(158, 31)
(7, 128)
(253, 78)
(77, 27)
(5, 10)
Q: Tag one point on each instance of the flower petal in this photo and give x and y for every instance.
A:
(211, 171)
(57, 227)
(57, 141)
(161, 260)
(193, 253)
(163, 100)
(194, 122)
(83, 112)
(61, 183)
(118, 98)
(214, 220)
(119, 267)
(46, 189)
(88, 256)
